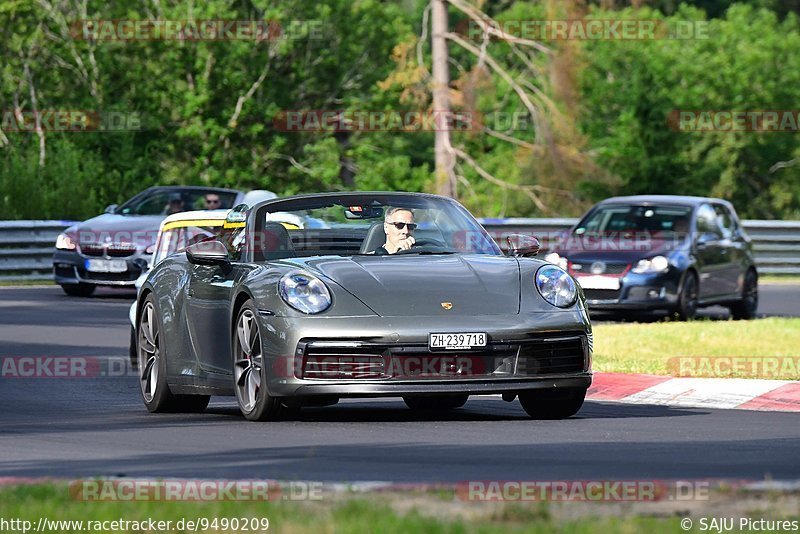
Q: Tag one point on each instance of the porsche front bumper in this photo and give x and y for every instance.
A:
(389, 356)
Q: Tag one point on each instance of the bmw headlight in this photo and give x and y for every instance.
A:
(65, 242)
(658, 264)
(556, 286)
(555, 259)
(304, 292)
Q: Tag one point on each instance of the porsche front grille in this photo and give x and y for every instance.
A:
(343, 366)
(332, 359)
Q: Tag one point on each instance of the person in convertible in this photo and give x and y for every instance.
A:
(399, 227)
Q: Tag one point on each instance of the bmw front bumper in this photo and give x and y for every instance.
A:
(70, 267)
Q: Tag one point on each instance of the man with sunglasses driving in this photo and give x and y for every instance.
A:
(399, 226)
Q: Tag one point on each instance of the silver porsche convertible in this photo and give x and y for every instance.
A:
(301, 301)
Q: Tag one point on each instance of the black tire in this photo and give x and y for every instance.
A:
(552, 403)
(747, 307)
(78, 290)
(152, 367)
(687, 300)
(436, 402)
(132, 349)
(254, 401)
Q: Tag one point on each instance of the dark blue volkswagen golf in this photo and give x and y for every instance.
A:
(661, 252)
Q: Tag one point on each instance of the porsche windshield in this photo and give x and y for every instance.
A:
(349, 225)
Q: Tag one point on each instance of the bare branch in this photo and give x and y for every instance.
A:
(491, 27)
(423, 37)
(463, 181)
(295, 163)
(55, 15)
(783, 164)
(523, 96)
(247, 96)
(529, 190)
(35, 107)
(510, 139)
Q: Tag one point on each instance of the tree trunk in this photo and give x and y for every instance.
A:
(445, 159)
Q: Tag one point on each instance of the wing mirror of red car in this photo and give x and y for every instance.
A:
(209, 252)
(522, 245)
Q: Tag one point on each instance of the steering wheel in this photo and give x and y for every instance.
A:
(422, 243)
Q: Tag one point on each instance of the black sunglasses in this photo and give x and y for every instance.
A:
(212, 201)
(401, 225)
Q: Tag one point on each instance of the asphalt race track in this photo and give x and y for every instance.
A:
(72, 427)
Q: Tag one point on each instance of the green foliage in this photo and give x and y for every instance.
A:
(747, 63)
(209, 108)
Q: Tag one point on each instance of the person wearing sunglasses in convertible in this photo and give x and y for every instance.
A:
(399, 227)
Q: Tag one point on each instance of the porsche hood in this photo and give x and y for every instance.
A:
(428, 285)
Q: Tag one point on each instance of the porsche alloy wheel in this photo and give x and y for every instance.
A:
(149, 354)
(152, 369)
(248, 369)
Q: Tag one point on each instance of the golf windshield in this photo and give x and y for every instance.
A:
(623, 218)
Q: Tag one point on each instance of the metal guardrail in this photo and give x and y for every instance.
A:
(26, 247)
(776, 243)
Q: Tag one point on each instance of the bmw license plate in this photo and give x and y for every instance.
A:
(457, 341)
(106, 266)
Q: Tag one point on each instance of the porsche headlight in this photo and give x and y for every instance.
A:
(556, 286)
(65, 242)
(304, 292)
(555, 259)
(658, 264)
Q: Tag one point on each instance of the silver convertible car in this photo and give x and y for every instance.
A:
(301, 301)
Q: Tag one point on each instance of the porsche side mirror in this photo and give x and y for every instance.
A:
(111, 208)
(209, 252)
(522, 245)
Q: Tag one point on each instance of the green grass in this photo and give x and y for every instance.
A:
(25, 283)
(788, 279)
(647, 348)
(340, 513)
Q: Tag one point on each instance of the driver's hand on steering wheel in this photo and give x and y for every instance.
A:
(406, 244)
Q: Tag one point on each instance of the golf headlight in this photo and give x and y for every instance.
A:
(555, 259)
(556, 286)
(65, 242)
(658, 264)
(304, 292)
